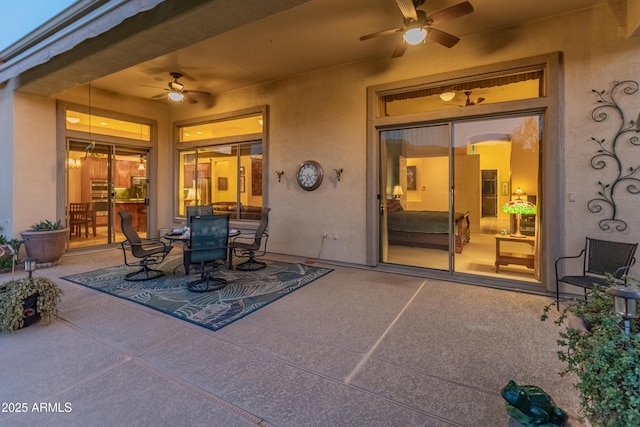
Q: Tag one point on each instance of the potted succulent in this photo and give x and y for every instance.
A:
(46, 242)
(25, 301)
(603, 357)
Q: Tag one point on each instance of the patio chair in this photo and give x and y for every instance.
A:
(198, 210)
(149, 252)
(599, 258)
(208, 244)
(249, 246)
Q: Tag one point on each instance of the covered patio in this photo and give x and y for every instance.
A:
(356, 347)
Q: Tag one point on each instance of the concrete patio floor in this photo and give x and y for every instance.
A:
(354, 348)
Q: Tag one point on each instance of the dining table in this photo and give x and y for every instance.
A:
(180, 235)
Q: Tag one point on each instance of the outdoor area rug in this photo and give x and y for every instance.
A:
(246, 292)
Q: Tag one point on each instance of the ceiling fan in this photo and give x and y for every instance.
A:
(468, 103)
(417, 25)
(177, 92)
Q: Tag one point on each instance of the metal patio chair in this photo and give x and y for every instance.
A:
(149, 252)
(208, 245)
(599, 258)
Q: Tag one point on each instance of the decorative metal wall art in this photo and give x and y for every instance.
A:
(609, 156)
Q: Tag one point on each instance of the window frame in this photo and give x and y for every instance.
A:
(235, 142)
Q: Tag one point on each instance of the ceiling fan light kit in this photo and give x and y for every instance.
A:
(418, 25)
(415, 36)
(175, 96)
(447, 96)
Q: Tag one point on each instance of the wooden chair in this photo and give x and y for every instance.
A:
(81, 214)
(599, 258)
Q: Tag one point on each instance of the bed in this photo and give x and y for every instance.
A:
(428, 229)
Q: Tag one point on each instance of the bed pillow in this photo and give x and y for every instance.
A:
(393, 205)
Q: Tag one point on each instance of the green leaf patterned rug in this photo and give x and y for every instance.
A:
(246, 292)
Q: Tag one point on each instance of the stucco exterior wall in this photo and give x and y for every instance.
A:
(322, 116)
(34, 177)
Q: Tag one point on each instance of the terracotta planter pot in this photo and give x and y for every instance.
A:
(46, 247)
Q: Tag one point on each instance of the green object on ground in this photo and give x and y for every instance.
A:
(531, 406)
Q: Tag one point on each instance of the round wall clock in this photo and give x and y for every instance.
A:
(310, 175)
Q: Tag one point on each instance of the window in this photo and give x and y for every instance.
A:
(220, 164)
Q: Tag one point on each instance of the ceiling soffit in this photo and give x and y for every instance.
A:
(172, 25)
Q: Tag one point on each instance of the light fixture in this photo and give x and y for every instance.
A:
(519, 192)
(73, 119)
(176, 96)
(74, 164)
(447, 96)
(397, 192)
(279, 173)
(30, 265)
(192, 194)
(519, 207)
(415, 35)
(625, 303)
(141, 165)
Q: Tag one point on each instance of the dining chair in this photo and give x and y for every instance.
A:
(81, 214)
(208, 248)
(249, 246)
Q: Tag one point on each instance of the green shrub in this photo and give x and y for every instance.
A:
(605, 360)
(13, 293)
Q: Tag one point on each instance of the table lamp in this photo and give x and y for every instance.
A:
(397, 192)
(519, 207)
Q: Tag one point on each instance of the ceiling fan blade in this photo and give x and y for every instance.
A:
(445, 39)
(198, 92)
(452, 12)
(380, 33)
(190, 98)
(408, 9)
(159, 96)
(400, 49)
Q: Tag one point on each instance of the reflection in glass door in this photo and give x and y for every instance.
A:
(488, 164)
(101, 180)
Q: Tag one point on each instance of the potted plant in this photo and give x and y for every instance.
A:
(24, 301)
(9, 252)
(46, 242)
(604, 359)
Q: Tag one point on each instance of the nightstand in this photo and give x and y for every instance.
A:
(505, 258)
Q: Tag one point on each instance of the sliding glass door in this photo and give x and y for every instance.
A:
(463, 197)
(102, 180)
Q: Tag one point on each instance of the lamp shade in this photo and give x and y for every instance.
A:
(397, 191)
(519, 206)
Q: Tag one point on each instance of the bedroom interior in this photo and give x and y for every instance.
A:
(494, 162)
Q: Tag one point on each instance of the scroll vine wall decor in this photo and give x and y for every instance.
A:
(609, 156)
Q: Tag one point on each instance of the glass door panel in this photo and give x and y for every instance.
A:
(493, 158)
(88, 184)
(130, 189)
(415, 197)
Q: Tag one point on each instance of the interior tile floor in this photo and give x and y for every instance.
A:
(356, 347)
